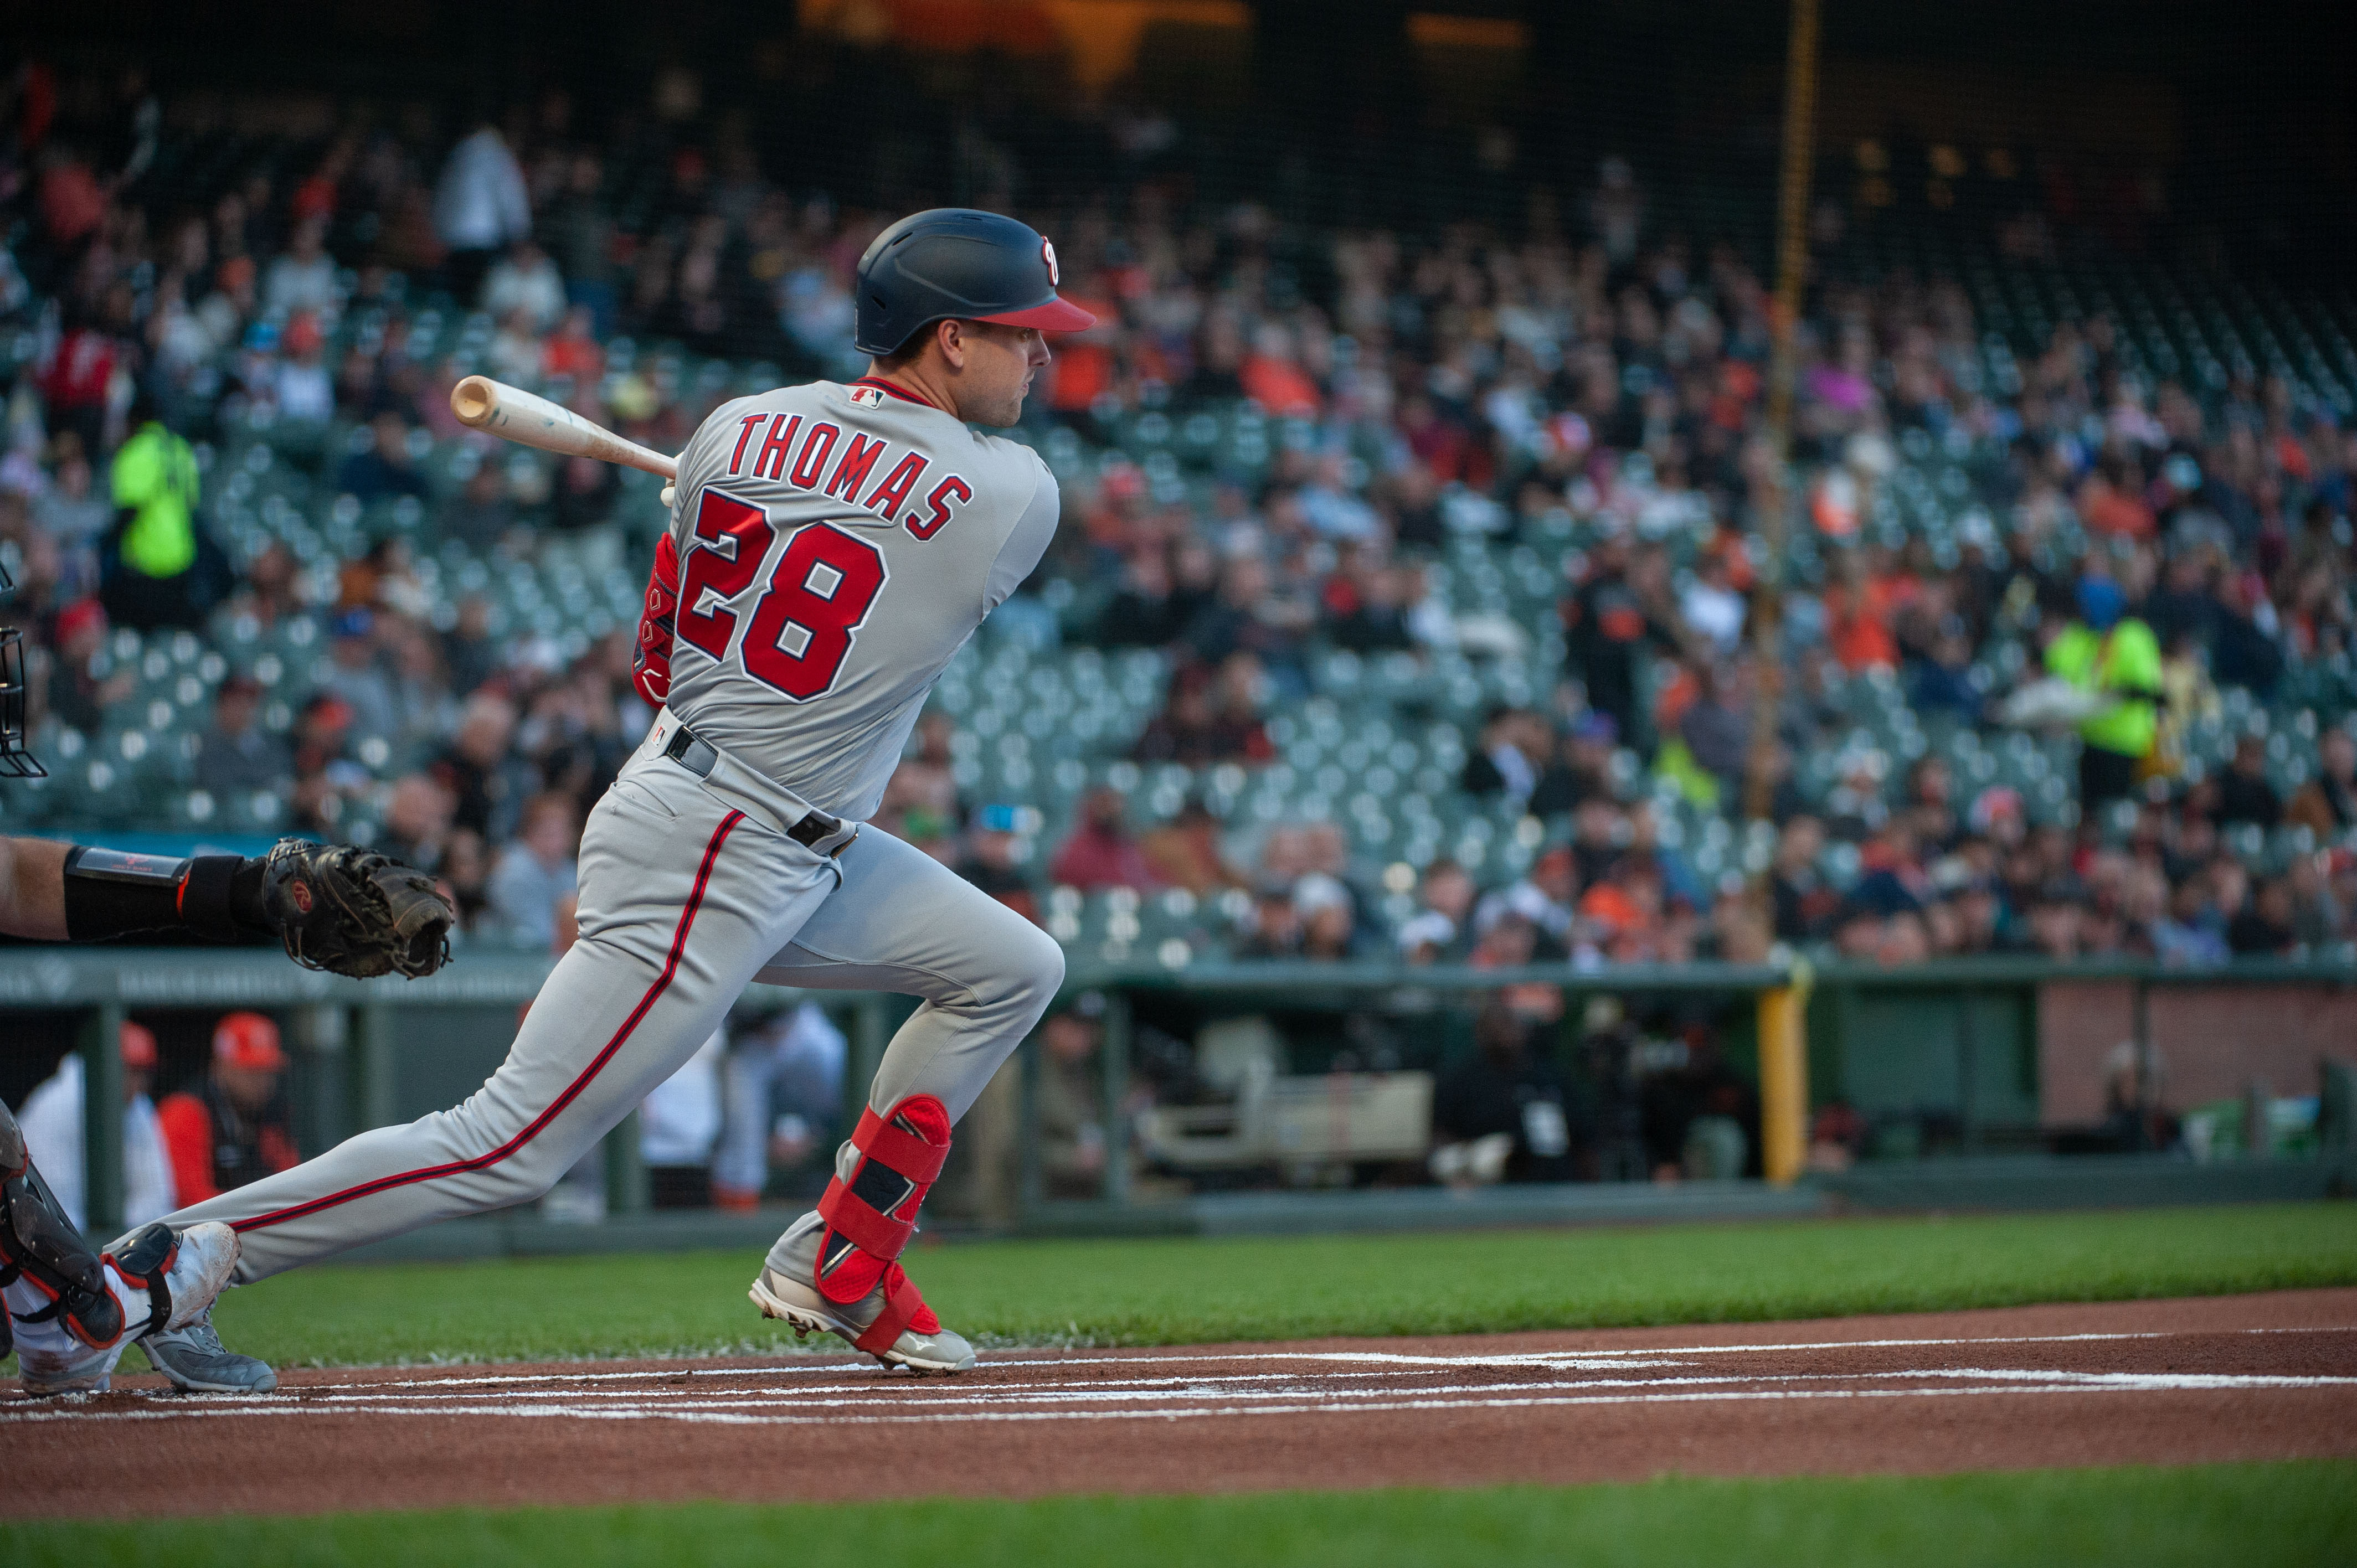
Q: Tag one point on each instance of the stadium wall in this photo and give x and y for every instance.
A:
(1993, 1054)
(2211, 1043)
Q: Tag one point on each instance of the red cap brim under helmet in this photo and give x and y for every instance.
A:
(1059, 315)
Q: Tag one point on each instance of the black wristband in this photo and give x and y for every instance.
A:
(245, 894)
(204, 897)
(110, 894)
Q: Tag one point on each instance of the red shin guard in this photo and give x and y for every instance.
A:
(870, 1219)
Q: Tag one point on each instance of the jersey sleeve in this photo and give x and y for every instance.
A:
(695, 458)
(1027, 541)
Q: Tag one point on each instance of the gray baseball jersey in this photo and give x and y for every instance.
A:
(837, 544)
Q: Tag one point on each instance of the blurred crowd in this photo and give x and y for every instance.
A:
(1596, 386)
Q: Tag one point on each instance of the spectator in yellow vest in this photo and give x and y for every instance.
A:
(2111, 654)
(152, 579)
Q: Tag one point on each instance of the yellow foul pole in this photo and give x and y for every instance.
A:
(1783, 1031)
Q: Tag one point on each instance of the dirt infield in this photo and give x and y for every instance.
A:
(2210, 1379)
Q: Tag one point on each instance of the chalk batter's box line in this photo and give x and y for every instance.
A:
(835, 1367)
(407, 1396)
(1185, 1388)
(719, 1417)
(679, 1404)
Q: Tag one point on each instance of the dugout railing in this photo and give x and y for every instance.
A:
(1962, 1037)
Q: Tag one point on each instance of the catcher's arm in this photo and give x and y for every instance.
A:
(32, 888)
(332, 906)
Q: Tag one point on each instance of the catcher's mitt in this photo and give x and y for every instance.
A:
(353, 911)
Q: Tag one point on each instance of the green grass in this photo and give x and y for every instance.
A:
(1182, 1291)
(2249, 1515)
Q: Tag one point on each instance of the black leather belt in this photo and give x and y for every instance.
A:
(699, 757)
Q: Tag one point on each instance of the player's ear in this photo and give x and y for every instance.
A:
(951, 334)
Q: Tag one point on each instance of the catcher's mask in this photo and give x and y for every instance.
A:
(16, 762)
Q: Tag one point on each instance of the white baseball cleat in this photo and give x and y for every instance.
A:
(782, 1290)
(788, 1299)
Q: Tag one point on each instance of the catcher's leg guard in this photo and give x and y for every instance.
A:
(144, 1258)
(156, 1280)
(40, 1247)
(870, 1219)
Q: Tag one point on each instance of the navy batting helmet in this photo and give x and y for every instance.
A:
(957, 262)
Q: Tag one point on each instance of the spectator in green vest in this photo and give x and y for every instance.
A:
(2112, 654)
(151, 576)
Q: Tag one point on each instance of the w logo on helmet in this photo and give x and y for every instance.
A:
(1048, 254)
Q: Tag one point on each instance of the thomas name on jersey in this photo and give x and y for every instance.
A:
(773, 455)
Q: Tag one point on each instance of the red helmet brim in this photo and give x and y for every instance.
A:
(1058, 315)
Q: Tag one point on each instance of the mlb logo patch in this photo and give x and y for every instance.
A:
(867, 397)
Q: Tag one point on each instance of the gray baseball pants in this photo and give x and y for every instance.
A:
(690, 889)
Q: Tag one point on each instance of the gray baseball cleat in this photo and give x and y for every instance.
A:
(194, 1358)
(782, 1291)
(181, 1275)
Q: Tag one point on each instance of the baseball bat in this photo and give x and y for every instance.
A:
(514, 414)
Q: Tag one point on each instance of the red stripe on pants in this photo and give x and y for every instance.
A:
(572, 1090)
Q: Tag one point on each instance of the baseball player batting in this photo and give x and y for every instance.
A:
(830, 547)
